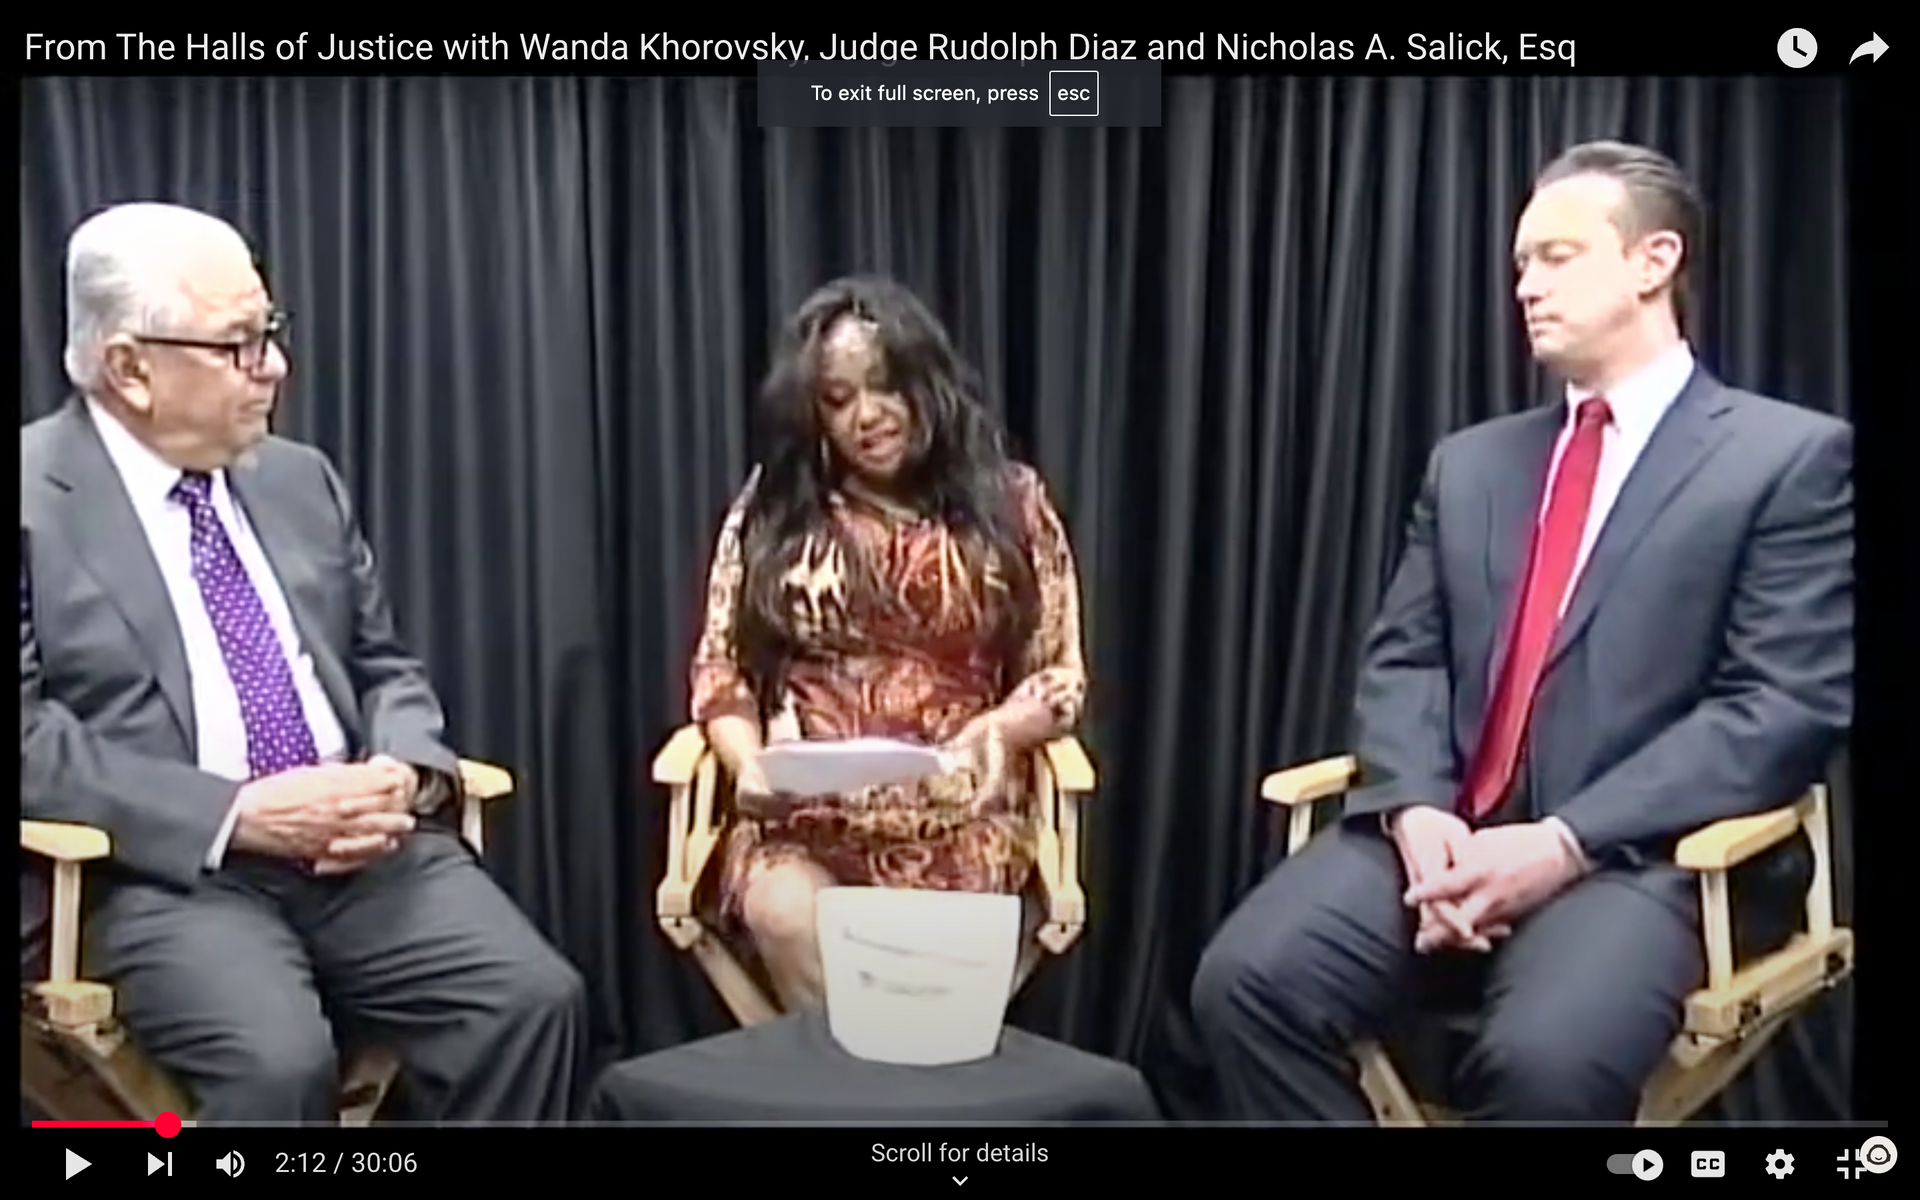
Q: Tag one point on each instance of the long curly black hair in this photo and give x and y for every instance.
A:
(957, 471)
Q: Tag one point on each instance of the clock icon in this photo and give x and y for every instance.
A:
(1797, 48)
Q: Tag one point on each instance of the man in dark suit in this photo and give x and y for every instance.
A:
(1617, 620)
(209, 672)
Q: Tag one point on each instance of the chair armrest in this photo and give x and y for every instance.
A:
(1300, 789)
(63, 997)
(63, 842)
(1072, 769)
(484, 781)
(1063, 781)
(680, 757)
(1728, 843)
(1733, 989)
(690, 771)
(480, 784)
(1311, 782)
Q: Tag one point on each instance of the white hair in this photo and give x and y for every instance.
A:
(125, 268)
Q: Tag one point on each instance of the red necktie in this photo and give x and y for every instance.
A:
(1556, 548)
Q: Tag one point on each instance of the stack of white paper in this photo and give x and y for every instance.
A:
(917, 978)
(827, 768)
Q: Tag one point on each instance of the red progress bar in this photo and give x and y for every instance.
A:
(166, 1126)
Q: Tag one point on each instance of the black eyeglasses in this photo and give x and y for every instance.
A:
(248, 354)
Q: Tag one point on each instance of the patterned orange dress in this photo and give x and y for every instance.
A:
(922, 669)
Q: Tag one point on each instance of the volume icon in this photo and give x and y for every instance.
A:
(232, 1164)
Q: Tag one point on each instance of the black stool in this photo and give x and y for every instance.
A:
(791, 1069)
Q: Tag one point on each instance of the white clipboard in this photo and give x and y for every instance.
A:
(828, 768)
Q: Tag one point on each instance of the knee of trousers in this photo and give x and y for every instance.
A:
(548, 987)
(1232, 989)
(1546, 1074)
(283, 1060)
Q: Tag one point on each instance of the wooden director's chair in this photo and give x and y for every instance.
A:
(1728, 1022)
(77, 1062)
(1063, 780)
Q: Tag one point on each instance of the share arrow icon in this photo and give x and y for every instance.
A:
(1876, 48)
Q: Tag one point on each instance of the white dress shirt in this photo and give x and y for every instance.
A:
(220, 733)
(1637, 405)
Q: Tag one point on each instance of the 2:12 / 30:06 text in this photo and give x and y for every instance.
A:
(346, 1162)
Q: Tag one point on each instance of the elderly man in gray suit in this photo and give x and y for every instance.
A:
(209, 672)
(1617, 619)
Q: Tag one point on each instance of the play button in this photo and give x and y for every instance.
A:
(1646, 1165)
(75, 1164)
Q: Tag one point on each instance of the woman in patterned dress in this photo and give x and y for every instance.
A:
(885, 572)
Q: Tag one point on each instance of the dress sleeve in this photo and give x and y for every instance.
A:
(1055, 671)
(718, 685)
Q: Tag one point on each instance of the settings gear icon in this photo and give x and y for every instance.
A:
(1779, 1164)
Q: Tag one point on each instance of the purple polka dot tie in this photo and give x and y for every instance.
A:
(278, 738)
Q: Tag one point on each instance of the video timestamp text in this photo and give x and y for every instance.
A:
(346, 1162)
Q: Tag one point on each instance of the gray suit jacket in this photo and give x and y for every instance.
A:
(1704, 668)
(107, 732)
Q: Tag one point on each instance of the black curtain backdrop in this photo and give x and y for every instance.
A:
(530, 315)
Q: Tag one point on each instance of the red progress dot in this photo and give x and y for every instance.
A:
(167, 1124)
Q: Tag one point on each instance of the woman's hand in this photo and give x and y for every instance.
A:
(754, 797)
(981, 748)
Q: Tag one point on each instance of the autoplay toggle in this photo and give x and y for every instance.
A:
(1647, 1164)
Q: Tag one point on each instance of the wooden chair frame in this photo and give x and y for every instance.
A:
(1727, 1022)
(1063, 780)
(77, 1061)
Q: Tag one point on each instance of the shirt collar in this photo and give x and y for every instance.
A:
(1644, 397)
(149, 478)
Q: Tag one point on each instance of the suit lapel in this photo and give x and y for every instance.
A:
(1682, 441)
(1516, 488)
(271, 517)
(109, 539)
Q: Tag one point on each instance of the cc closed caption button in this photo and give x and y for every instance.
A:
(1644, 1165)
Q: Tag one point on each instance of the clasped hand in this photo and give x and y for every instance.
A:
(1470, 886)
(337, 816)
